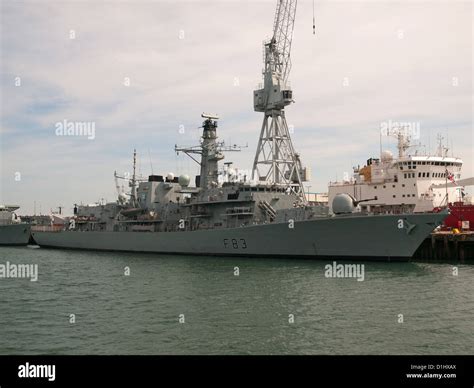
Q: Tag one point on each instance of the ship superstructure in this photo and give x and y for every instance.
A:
(407, 183)
(168, 203)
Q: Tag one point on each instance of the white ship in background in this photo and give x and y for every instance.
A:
(409, 183)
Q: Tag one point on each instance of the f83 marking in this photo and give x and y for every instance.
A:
(235, 243)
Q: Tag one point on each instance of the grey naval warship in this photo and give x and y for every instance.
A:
(236, 217)
(266, 214)
(12, 230)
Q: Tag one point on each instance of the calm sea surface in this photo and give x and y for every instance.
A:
(227, 314)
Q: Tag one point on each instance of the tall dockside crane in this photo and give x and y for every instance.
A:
(276, 161)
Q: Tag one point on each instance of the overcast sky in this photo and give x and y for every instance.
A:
(369, 62)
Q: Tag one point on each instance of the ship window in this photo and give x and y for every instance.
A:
(419, 175)
(394, 196)
(233, 195)
(384, 186)
(405, 176)
(424, 175)
(423, 163)
(427, 174)
(403, 195)
(393, 185)
(403, 185)
(375, 187)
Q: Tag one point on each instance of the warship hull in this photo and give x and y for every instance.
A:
(15, 234)
(382, 237)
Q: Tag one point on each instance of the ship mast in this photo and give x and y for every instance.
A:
(133, 182)
(211, 152)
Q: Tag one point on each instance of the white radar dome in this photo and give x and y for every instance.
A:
(184, 180)
(170, 176)
(122, 198)
(386, 156)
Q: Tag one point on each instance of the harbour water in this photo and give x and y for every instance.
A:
(122, 303)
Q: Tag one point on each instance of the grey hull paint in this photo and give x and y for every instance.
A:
(362, 237)
(14, 234)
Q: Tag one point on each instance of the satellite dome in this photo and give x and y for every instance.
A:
(343, 203)
(386, 156)
(170, 176)
(122, 198)
(184, 180)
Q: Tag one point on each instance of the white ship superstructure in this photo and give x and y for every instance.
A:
(409, 183)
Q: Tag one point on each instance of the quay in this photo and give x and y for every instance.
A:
(446, 245)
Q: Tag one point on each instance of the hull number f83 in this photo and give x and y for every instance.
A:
(235, 243)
